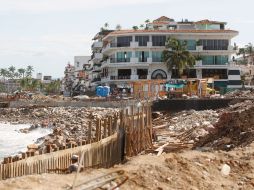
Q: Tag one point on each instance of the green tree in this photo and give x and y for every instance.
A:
(135, 27)
(29, 71)
(106, 25)
(118, 27)
(4, 73)
(147, 21)
(11, 72)
(176, 56)
(21, 72)
(141, 26)
(250, 51)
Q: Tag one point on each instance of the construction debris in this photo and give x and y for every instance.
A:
(235, 128)
(240, 94)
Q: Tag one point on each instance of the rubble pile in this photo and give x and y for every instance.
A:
(235, 128)
(240, 94)
(189, 125)
(69, 125)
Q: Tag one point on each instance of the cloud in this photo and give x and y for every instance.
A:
(39, 6)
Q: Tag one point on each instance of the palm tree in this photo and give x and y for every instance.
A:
(3, 73)
(29, 71)
(118, 27)
(135, 27)
(147, 21)
(141, 26)
(106, 25)
(11, 70)
(176, 56)
(22, 72)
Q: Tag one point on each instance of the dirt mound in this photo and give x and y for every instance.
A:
(235, 128)
(240, 94)
(188, 170)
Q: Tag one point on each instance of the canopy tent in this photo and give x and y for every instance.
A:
(174, 85)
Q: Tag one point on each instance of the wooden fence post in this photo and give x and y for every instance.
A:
(105, 128)
(90, 131)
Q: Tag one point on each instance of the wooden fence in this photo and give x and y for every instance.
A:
(127, 133)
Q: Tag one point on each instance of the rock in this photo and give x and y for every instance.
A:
(225, 170)
(32, 146)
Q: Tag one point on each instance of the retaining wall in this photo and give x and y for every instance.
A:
(196, 104)
(85, 103)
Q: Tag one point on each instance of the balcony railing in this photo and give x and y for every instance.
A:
(156, 59)
(125, 44)
(119, 60)
(144, 59)
(120, 77)
(142, 76)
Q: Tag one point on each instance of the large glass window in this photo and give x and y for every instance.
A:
(142, 55)
(142, 40)
(124, 41)
(157, 56)
(215, 44)
(214, 60)
(123, 56)
(158, 40)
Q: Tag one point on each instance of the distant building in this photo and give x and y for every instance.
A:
(39, 76)
(79, 63)
(69, 78)
(47, 79)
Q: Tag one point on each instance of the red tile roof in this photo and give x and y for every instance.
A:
(206, 21)
(162, 19)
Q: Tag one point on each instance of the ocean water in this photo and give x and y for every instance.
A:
(12, 141)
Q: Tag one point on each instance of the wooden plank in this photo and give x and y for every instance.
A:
(105, 128)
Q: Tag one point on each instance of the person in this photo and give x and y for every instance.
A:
(74, 164)
(73, 167)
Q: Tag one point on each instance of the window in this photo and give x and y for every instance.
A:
(77, 64)
(157, 56)
(214, 60)
(158, 40)
(142, 55)
(215, 44)
(123, 56)
(124, 41)
(142, 40)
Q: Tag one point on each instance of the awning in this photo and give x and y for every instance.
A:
(174, 85)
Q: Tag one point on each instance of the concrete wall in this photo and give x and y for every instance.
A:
(180, 105)
(85, 103)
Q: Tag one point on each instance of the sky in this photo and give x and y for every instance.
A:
(47, 34)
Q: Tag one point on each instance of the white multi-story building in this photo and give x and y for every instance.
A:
(132, 55)
(97, 58)
(80, 62)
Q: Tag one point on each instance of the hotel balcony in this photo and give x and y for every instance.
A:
(200, 65)
(123, 77)
(206, 49)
